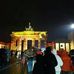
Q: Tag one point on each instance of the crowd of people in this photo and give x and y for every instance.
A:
(48, 62)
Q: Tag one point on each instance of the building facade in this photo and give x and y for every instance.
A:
(2, 45)
(58, 45)
(21, 41)
(71, 39)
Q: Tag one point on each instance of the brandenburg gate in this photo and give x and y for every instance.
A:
(29, 38)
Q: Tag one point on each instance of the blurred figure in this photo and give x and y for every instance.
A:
(59, 52)
(39, 52)
(66, 68)
(30, 65)
(59, 60)
(38, 66)
(30, 61)
(71, 54)
(49, 61)
(4, 57)
(18, 55)
(23, 60)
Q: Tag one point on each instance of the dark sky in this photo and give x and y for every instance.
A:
(52, 16)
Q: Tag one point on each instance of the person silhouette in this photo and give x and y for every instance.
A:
(59, 60)
(38, 66)
(49, 61)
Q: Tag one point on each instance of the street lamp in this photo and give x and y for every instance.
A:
(72, 26)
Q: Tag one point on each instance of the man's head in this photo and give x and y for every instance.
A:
(48, 50)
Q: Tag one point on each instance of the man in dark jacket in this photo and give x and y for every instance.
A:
(38, 66)
(49, 61)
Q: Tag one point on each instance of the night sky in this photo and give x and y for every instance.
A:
(52, 16)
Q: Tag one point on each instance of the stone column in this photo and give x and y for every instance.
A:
(23, 45)
(39, 43)
(19, 45)
(33, 42)
(26, 44)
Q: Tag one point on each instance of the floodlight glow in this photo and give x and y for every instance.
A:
(72, 26)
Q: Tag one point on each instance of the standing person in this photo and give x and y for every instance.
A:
(38, 52)
(66, 68)
(59, 60)
(38, 66)
(30, 61)
(49, 61)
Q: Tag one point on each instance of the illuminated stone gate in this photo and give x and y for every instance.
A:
(29, 38)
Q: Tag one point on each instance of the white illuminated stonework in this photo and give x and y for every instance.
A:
(71, 38)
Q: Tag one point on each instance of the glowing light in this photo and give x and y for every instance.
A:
(72, 26)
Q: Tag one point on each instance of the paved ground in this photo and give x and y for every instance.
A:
(16, 67)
